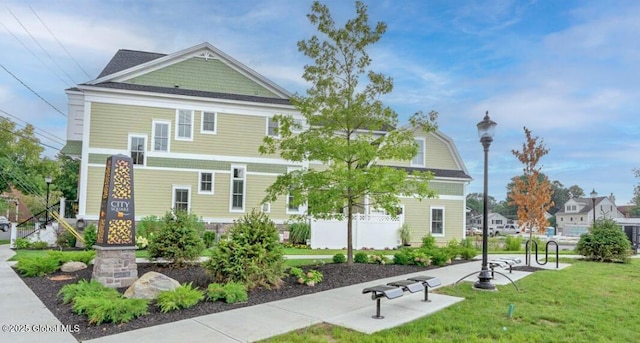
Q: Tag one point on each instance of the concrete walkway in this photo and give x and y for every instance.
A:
(345, 306)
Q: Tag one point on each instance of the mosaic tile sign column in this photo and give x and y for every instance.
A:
(115, 262)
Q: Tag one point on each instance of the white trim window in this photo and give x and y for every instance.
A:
(238, 188)
(181, 198)
(184, 125)
(298, 122)
(437, 224)
(137, 148)
(205, 182)
(266, 207)
(418, 159)
(272, 127)
(160, 133)
(291, 207)
(208, 122)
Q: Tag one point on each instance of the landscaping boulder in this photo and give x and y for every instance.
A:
(73, 266)
(149, 285)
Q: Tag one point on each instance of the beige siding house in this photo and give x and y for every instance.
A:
(193, 121)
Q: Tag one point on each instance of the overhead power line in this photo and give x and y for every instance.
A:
(50, 136)
(29, 138)
(32, 91)
(41, 47)
(59, 43)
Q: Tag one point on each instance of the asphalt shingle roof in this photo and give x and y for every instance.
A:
(449, 173)
(124, 59)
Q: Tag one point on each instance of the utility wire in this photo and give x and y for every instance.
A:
(34, 132)
(51, 137)
(36, 56)
(32, 91)
(29, 138)
(59, 43)
(41, 47)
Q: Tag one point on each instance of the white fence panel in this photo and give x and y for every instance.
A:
(369, 231)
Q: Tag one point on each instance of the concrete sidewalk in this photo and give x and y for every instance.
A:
(345, 306)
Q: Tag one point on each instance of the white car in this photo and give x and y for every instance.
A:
(5, 225)
(474, 231)
(501, 230)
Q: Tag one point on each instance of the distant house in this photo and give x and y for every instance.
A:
(627, 211)
(577, 213)
(494, 219)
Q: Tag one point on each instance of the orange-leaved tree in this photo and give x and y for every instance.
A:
(531, 193)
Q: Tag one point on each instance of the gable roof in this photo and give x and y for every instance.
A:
(588, 202)
(127, 65)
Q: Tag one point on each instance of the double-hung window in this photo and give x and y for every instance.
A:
(184, 125)
(238, 188)
(272, 127)
(418, 159)
(208, 124)
(437, 221)
(137, 148)
(181, 197)
(205, 183)
(161, 135)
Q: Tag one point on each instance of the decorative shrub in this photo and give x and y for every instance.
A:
(513, 243)
(379, 259)
(184, 296)
(148, 226)
(39, 245)
(299, 233)
(79, 256)
(65, 239)
(23, 243)
(403, 257)
(37, 266)
(252, 255)
(421, 258)
(453, 248)
(209, 238)
(440, 257)
(361, 257)
(339, 258)
(310, 278)
(428, 242)
(141, 242)
(605, 242)
(178, 239)
(405, 234)
(90, 236)
(101, 303)
(86, 288)
(231, 292)
(467, 249)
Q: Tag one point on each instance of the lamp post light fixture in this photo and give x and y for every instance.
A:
(486, 130)
(594, 195)
(46, 213)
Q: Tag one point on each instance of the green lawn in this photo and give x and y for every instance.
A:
(587, 302)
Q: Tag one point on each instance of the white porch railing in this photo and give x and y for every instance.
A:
(376, 231)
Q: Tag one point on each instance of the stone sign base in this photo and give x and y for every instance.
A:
(115, 267)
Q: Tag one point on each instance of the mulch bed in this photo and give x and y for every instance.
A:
(335, 275)
(527, 268)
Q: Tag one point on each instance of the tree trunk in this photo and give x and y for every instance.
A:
(349, 234)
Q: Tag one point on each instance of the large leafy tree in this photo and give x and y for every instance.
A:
(532, 194)
(474, 203)
(349, 128)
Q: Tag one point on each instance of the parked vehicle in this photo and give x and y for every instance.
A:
(509, 229)
(5, 225)
(474, 231)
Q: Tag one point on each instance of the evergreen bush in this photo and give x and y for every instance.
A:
(606, 242)
(148, 226)
(403, 256)
(339, 258)
(178, 239)
(209, 238)
(37, 266)
(90, 236)
(252, 255)
(361, 257)
(181, 297)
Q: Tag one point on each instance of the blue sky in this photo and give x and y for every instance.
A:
(567, 70)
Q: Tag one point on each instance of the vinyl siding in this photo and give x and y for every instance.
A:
(417, 215)
(438, 155)
(201, 74)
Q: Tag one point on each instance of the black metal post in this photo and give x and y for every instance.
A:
(46, 213)
(484, 278)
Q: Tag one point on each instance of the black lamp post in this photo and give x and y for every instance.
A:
(46, 213)
(485, 130)
(594, 195)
